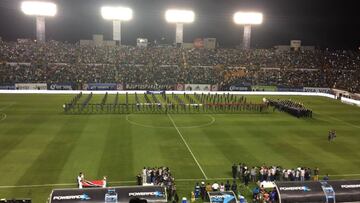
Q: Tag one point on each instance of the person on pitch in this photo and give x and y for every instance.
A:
(104, 182)
(333, 134)
(80, 179)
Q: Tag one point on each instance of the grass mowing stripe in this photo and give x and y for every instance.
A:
(119, 148)
(49, 164)
(12, 137)
(192, 154)
(347, 123)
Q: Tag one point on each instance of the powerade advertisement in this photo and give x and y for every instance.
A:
(222, 197)
(346, 191)
(113, 194)
(300, 192)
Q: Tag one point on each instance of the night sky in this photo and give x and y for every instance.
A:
(323, 23)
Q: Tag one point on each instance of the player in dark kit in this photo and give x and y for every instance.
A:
(234, 187)
(203, 191)
(331, 135)
(227, 186)
(234, 170)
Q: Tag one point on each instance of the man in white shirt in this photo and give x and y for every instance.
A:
(80, 178)
(144, 176)
(104, 182)
(302, 174)
(215, 187)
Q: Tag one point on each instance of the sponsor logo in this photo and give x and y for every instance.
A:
(299, 188)
(214, 87)
(101, 86)
(180, 87)
(238, 88)
(155, 92)
(155, 194)
(148, 87)
(60, 87)
(317, 89)
(350, 186)
(197, 87)
(31, 86)
(290, 89)
(7, 87)
(119, 87)
(72, 197)
(222, 198)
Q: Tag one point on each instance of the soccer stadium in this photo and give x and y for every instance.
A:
(158, 101)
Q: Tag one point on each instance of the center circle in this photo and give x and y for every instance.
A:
(2, 116)
(132, 120)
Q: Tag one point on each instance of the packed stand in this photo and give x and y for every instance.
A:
(59, 62)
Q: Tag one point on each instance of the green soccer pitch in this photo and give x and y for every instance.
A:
(42, 148)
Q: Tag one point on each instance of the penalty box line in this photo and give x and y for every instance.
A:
(187, 146)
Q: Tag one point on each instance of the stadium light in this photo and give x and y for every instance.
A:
(40, 9)
(116, 14)
(248, 19)
(179, 17)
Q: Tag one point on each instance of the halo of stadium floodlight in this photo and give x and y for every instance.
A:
(117, 15)
(40, 9)
(180, 17)
(248, 19)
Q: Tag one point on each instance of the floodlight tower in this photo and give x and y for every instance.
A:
(40, 9)
(247, 19)
(116, 14)
(180, 17)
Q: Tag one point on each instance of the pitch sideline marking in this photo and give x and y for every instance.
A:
(125, 181)
(132, 181)
(165, 127)
(192, 154)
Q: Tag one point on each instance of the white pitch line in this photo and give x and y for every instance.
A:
(168, 127)
(3, 116)
(130, 181)
(192, 154)
(343, 175)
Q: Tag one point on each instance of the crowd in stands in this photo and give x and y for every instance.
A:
(61, 62)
